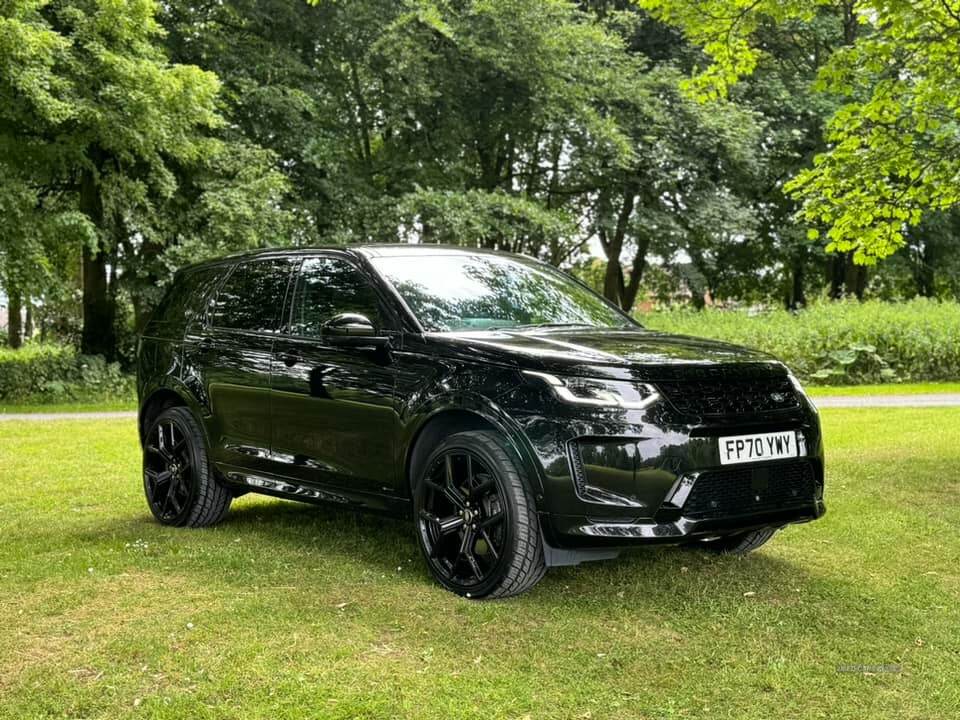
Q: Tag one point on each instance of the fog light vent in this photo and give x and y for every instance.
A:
(604, 469)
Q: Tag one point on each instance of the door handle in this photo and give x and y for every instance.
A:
(290, 359)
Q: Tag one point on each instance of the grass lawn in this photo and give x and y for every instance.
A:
(32, 408)
(291, 611)
(887, 389)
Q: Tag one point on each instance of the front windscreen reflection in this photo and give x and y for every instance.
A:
(450, 293)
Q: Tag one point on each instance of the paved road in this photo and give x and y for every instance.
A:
(43, 417)
(861, 401)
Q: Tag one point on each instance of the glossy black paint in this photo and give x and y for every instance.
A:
(314, 418)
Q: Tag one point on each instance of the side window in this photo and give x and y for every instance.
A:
(329, 286)
(252, 297)
(184, 301)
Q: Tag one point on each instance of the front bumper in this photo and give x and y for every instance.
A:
(616, 478)
(577, 531)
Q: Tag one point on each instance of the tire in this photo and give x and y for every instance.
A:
(472, 501)
(739, 544)
(178, 479)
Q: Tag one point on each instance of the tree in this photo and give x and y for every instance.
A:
(892, 144)
(91, 107)
(477, 122)
(96, 122)
(40, 236)
(782, 90)
(683, 159)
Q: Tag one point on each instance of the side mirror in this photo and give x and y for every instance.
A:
(352, 330)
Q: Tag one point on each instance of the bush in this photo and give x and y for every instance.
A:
(839, 342)
(57, 373)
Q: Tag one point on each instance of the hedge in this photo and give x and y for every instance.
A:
(839, 342)
(57, 373)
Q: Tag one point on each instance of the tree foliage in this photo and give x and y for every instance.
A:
(892, 143)
(138, 136)
(97, 131)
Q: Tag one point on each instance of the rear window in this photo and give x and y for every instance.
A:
(251, 298)
(184, 302)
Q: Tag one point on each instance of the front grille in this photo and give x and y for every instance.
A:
(731, 396)
(743, 491)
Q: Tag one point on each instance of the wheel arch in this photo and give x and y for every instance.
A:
(162, 397)
(459, 415)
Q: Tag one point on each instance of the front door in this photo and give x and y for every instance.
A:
(334, 417)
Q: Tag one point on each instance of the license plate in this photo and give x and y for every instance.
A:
(757, 448)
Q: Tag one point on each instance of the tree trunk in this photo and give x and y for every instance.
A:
(99, 310)
(613, 280)
(846, 277)
(698, 300)
(98, 336)
(628, 297)
(28, 322)
(924, 273)
(855, 280)
(613, 283)
(797, 297)
(837, 265)
(14, 328)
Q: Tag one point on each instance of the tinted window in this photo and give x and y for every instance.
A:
(478, 292)
(184, 301)
(252, 297)
(329, 286)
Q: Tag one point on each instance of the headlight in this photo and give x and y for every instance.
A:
(599, 393)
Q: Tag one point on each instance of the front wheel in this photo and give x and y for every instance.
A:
(476, 520)
(178, 480)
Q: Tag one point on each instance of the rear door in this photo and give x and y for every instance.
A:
(231, 357)
(334, 416)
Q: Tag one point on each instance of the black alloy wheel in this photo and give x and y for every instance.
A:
(177, 479)
(476, 521)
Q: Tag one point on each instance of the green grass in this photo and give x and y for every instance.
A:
(885, 389)
(292, 611)
(103, 406)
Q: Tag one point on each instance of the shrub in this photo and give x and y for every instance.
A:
(839, 342)
(57, 373)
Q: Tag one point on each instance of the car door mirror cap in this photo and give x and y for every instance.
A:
(349, 325)
(352, 330)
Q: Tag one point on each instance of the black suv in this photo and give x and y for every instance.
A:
(521, 419)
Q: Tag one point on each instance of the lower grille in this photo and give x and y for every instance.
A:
(743, 491)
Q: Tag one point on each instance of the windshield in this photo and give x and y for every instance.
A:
(450, 293)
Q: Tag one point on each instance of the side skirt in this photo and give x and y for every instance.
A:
(287, 489)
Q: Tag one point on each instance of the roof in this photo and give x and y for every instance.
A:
(395, 249)
(370, 250)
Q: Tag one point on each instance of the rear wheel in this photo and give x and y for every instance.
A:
(739, 544)
(476, 520)
(178, 480)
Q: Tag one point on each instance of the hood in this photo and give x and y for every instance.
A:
(607, 351)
